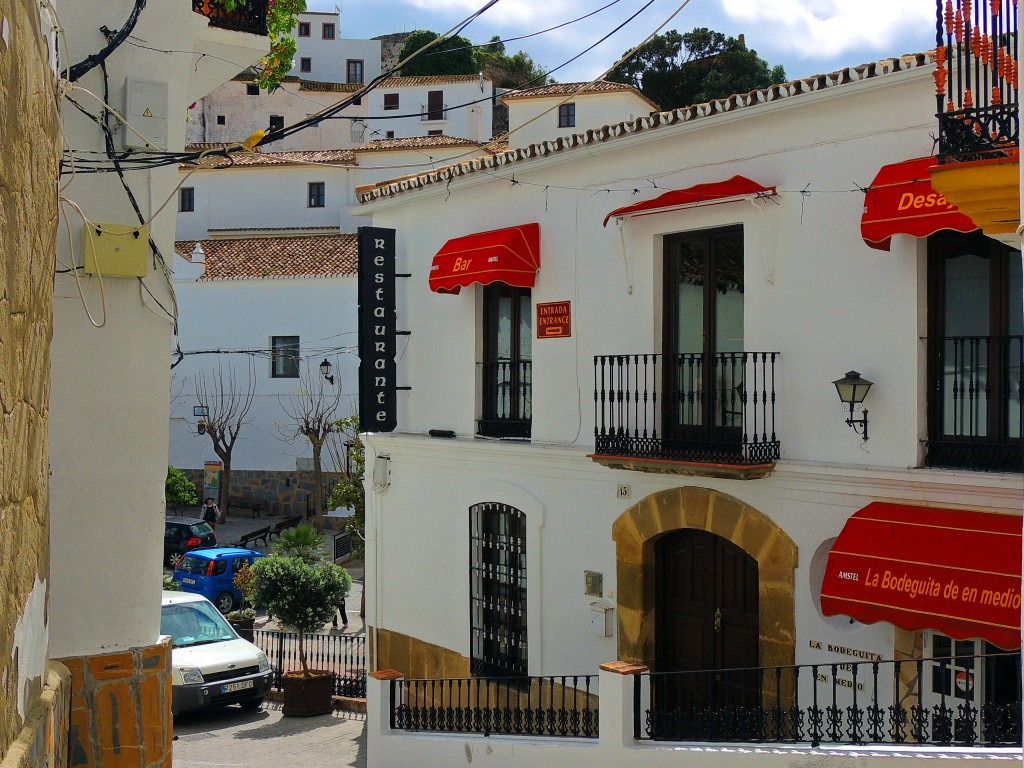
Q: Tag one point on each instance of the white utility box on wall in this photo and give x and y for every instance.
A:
(602, 618)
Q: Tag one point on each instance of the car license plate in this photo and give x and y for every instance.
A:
(188, 581)
(239, 686)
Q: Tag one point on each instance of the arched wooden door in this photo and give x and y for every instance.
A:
(706, 618)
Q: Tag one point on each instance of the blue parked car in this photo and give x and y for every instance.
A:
(211, 572)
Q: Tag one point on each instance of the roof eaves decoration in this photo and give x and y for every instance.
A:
(774, 93)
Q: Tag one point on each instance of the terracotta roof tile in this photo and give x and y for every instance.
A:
(256, 258)
(327, 156)
(398, 82)
(567, 89)
(317, 85)
(793, 89)
(415, 142)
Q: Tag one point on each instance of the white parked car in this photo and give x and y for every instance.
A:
(210, 664)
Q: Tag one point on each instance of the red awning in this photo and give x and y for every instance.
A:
(736, 188)
(901, 201)
(510, 256)
(928, 568)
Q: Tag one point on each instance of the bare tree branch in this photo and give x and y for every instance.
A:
(227, 407)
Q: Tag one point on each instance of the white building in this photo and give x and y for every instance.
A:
(322, 54)
(268, 306)
(621, 442)
(560, 110)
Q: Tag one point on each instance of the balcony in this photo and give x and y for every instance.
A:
(695, 414)
(248, 15)
(977, 98)
(976, 416)
(433, 112)
(507, 394)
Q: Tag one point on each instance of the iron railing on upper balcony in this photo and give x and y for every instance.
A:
(507, 398)
(977, 421)
(248, 15)
(433, 112)
(961, 700)
(976, 78)
(557, 705)
(687, 407)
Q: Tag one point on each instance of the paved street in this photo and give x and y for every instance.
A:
(264, 739)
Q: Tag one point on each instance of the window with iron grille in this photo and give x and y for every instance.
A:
(328, 32)
(187, 199)
(303, 29)
(306, 64)
(284, 357)
(507, 368)
(497, 590)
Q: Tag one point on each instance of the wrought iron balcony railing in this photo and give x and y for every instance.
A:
(248, 15)
(962, 701)
(507, 395)
(563, 706)
(687, 407)
(976, 78)
(435, 112)
(976, 417)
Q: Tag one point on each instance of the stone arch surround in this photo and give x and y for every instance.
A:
(635, 532)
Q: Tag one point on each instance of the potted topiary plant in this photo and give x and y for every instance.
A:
(302, 593)
(244, 617)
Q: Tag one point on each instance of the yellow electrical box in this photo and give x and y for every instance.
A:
(115, 250)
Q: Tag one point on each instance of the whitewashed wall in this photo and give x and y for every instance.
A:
(592, 111)
(108, 404)
(245, 197)
(329, 56)
(468, 105)
(243, 315)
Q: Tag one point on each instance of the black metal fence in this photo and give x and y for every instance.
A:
(564, 706)
(687, 407)
(976, 77)
(343, 655)
(248, 16)
(962, 701)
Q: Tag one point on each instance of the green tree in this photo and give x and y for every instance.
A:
(349, 491)
(515, 71)
(453, 56)
(179, 491)
(676, 70)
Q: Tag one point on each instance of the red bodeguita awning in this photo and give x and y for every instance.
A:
(510, 256)
(901, 201)
(950, 570)
(736, 188)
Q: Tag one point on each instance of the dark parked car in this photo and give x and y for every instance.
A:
(180, 536)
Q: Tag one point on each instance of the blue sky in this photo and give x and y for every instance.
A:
(806, 36)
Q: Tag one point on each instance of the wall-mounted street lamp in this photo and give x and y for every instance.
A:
(852, 390)
(325, 369)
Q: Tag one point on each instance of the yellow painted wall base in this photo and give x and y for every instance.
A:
(121, 709)
(988, 191)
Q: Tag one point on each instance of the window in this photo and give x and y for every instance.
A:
(974, 352)
(357, 100)
(390, 101)
(284, 357)
(328, 31)
(389, 134)
(220, 120)
(507, 368)
(435, 105)
(252, 89)
(497, 590)
(317, 194)
(354, 71)
(276, 122)
(306, 64)
(435, 133)
(566, 115)
(187, 199)
(303, 29)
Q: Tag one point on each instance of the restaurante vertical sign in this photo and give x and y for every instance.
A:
(377, 338)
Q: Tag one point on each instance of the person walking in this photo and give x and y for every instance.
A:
(344, 615)
(210, 512)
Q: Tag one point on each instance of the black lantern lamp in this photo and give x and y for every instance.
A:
(325, 369)
(852, 390)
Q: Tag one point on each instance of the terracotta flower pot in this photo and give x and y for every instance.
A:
(243, 627)
(306, 696)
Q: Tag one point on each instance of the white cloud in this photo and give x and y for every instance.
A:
(825, 28)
